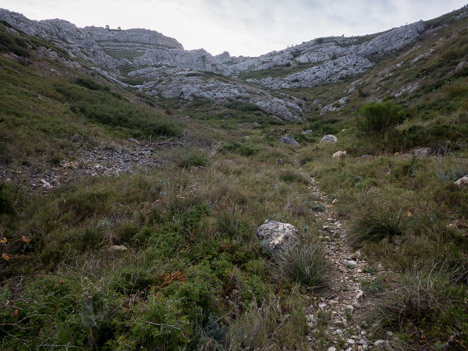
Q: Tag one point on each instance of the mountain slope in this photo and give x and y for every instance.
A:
(134, 180)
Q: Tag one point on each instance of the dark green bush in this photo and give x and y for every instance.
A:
(11, 43)
(379, 117)
(6, 199)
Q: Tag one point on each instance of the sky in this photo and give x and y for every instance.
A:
(242, 27)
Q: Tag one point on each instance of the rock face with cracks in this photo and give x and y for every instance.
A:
(159, 65)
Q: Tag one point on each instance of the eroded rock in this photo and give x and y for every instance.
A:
(276, 236)
(329, 139)
(288, 139)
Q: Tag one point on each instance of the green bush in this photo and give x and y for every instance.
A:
(12, 43)
(293, 177)
(193, 159)
(244, 149)
(379, 117)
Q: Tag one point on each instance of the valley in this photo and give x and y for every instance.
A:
(145, 188)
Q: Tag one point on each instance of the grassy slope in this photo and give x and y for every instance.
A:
(193, 275)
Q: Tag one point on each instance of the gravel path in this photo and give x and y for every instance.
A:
(335, 319)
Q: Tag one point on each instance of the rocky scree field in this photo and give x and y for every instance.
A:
(161, 199)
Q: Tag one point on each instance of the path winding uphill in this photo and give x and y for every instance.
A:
(335, 319)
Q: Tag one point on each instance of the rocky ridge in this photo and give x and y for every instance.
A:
(169, 71)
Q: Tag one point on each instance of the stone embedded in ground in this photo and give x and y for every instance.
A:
(288, 139)
(120, 248)
(339, 154)
(423, 152)
(307, 132)
(276, 236)
(462, 182)
(329, 139)
(45, 184)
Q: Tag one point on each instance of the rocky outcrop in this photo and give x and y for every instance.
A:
(288, 139)
(277, 237)
(147, 48)
(332, 59)
(462, 182)
(63, 34)
(190, 86)
(114, 38)
(423, 152)
(339, 154)
(329, 139)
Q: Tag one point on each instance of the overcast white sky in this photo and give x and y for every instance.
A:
(242, 27)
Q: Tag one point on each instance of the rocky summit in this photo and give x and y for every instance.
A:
(159, 65)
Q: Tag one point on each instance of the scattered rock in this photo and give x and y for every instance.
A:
(307, 132)
(276, 236)
(423, 152)
(331, 349)
(288, 139)
(350, 263)
(462, 182)
(366, 156)
(362, 341)
(460, 66)
(45, 184)
(77, 138)
(119, 248)
(329, 139)
(339, 154)
(379, 342)
(134, 141)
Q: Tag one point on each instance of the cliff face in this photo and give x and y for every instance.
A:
(159, 65)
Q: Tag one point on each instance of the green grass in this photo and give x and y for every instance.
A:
(305, 264)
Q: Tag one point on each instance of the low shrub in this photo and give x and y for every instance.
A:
(425, 302)
(193, 159)
(273, 323)
(293, 177)
(374, 226)
(305, 264)
(244, 149)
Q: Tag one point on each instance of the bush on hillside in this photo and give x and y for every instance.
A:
(379, 117)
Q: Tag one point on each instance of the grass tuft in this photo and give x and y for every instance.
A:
(376, 226)
(305, 264)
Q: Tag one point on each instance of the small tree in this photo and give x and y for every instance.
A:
(379, 117)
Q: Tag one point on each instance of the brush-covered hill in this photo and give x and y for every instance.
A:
(134, 175)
